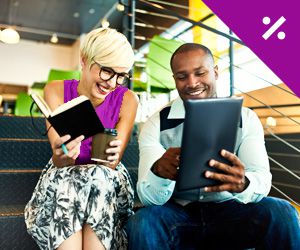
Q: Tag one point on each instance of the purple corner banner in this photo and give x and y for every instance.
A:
(251, 19)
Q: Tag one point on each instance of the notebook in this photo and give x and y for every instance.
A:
(210, 125)
(75, 117)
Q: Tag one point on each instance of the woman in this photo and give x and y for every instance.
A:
(78, 204)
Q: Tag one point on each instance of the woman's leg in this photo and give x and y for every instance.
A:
(90, 239)
(74, 242)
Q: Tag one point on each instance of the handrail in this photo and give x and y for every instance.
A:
(283, 167)
(250, 73)
(220, 58)
(282, 140)
(231, 38)
(285, 195)
(266, 105)
(202, 25)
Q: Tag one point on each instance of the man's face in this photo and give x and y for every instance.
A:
(195, 75)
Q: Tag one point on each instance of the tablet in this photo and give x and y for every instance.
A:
(210, 125)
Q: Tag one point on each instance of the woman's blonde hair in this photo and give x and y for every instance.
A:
(107, 47)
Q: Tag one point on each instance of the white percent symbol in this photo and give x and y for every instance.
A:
(266, 20)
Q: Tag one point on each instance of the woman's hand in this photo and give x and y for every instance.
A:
(113, 153)
(60, 159)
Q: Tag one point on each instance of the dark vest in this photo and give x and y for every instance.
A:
(171, 136)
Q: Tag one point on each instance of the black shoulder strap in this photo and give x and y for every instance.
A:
(166, 123)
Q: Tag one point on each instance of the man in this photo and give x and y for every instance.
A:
(235, 214)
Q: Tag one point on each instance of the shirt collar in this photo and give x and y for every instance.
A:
(177, 110)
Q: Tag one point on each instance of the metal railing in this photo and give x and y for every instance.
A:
(170, 13)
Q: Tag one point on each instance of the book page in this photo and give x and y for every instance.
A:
(69, 104)
(42, 105)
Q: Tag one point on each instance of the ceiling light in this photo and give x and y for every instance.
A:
(144, 77)
(91, 11)
(104, 23)
(54, 38)
(76, 14)
(271, 122)
(10, 35)
(120, 7)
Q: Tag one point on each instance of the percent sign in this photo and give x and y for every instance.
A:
(273, 28)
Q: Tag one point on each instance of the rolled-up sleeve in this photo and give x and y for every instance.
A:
(252, 152)
(152, 189)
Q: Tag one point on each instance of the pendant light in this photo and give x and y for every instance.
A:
(9, 34)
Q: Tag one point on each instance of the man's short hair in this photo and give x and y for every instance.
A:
(189, 47)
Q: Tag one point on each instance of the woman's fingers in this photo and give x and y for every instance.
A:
(114, 157)
(57, 150)
(115, 143)
(72, 149)
(114, 150)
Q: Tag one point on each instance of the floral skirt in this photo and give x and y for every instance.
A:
(67, 198)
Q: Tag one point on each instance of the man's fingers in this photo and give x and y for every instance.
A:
(231, 157)
(219, 188)
(174, 151)
(222, 177)
(221, 166)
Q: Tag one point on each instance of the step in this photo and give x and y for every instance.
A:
(24, 153)
(17, 187)
(21, 127)
(13, 234)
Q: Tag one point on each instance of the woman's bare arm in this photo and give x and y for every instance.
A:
(125, 124)
(54, 96)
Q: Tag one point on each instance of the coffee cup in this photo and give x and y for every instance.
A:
(100, 142)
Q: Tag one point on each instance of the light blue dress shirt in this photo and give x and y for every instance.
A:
(250, 148)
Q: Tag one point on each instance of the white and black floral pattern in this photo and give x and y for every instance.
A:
(66, 198)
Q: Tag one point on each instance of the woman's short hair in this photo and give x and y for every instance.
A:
(108, 47)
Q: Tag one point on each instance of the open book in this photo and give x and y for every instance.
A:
(76, 117)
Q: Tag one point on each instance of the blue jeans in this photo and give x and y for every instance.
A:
(269, 224)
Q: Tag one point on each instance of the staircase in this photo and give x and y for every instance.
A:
(23, 155)
(289, 158)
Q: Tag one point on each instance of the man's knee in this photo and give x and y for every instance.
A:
(145, 218)
(145, 229)
(279, 213)
(280, 208)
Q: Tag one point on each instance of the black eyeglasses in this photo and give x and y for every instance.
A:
(107, 73)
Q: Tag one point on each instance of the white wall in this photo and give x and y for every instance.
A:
(28, 62)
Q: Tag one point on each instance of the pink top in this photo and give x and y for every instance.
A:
(108, 112)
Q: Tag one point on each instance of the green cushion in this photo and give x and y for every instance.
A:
(56, 74)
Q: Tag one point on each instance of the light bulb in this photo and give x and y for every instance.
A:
(271, 122)
(54, 38)
(120, 7)
(9, 35)
(104, 23)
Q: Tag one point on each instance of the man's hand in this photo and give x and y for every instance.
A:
(232, 177)
(167, 165)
